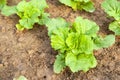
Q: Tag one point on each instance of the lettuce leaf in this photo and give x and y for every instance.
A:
(115, 26)
(58, 39)
(104, 42)
(79, 43)
(112, 8)
(58, 33)
(2, 3)
(80, 62)
(86, 5)
(8, 10)
(59, 64)
(58, 23)
(85, 26)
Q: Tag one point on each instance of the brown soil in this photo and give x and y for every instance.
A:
(29, 53)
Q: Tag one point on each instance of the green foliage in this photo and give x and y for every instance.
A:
(8, 10)
(104, 42)
(20, 78)
(29, 12)
(76, 43)
(57, 23)
(80, 62)
(115, 26)
(86, 5)
(112, 8)
(59, 63)
(2, 3)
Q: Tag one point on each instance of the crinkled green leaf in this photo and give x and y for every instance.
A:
(26, 23)
(85, 26)
(104, 42)
(8, 10)
(22, 5)
(79, 43)
(43, 19)
(112, 8)
(19, 27)
(80, 62)
(59, 64)
(73, 42)
(57, 42)
(70, 3)
(54, 24)
(87, 5)
(27, 10)
(58, 39)
(115, 26)
(41, 4)
(86, 44)
(38, 4)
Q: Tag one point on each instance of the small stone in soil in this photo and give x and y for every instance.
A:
(1, 66)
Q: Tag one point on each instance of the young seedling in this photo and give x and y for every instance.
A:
(86, 5)
(76, 43)
(29, 12)
(112, 8)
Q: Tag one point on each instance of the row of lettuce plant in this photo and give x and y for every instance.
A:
(75, 42)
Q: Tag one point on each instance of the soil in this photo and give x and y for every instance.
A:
(29, 53)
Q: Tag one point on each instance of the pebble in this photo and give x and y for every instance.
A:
(3, 29)
(21, 39)
(6, 63)
(23, 72)
(30, 51)
(1, 65)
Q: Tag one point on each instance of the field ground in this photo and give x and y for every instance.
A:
(29, 53)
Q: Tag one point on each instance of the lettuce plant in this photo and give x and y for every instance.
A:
(29, 12)
(75, 43)
(86, 5)
(112, 8)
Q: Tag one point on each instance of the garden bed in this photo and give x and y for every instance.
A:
(29, 53)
